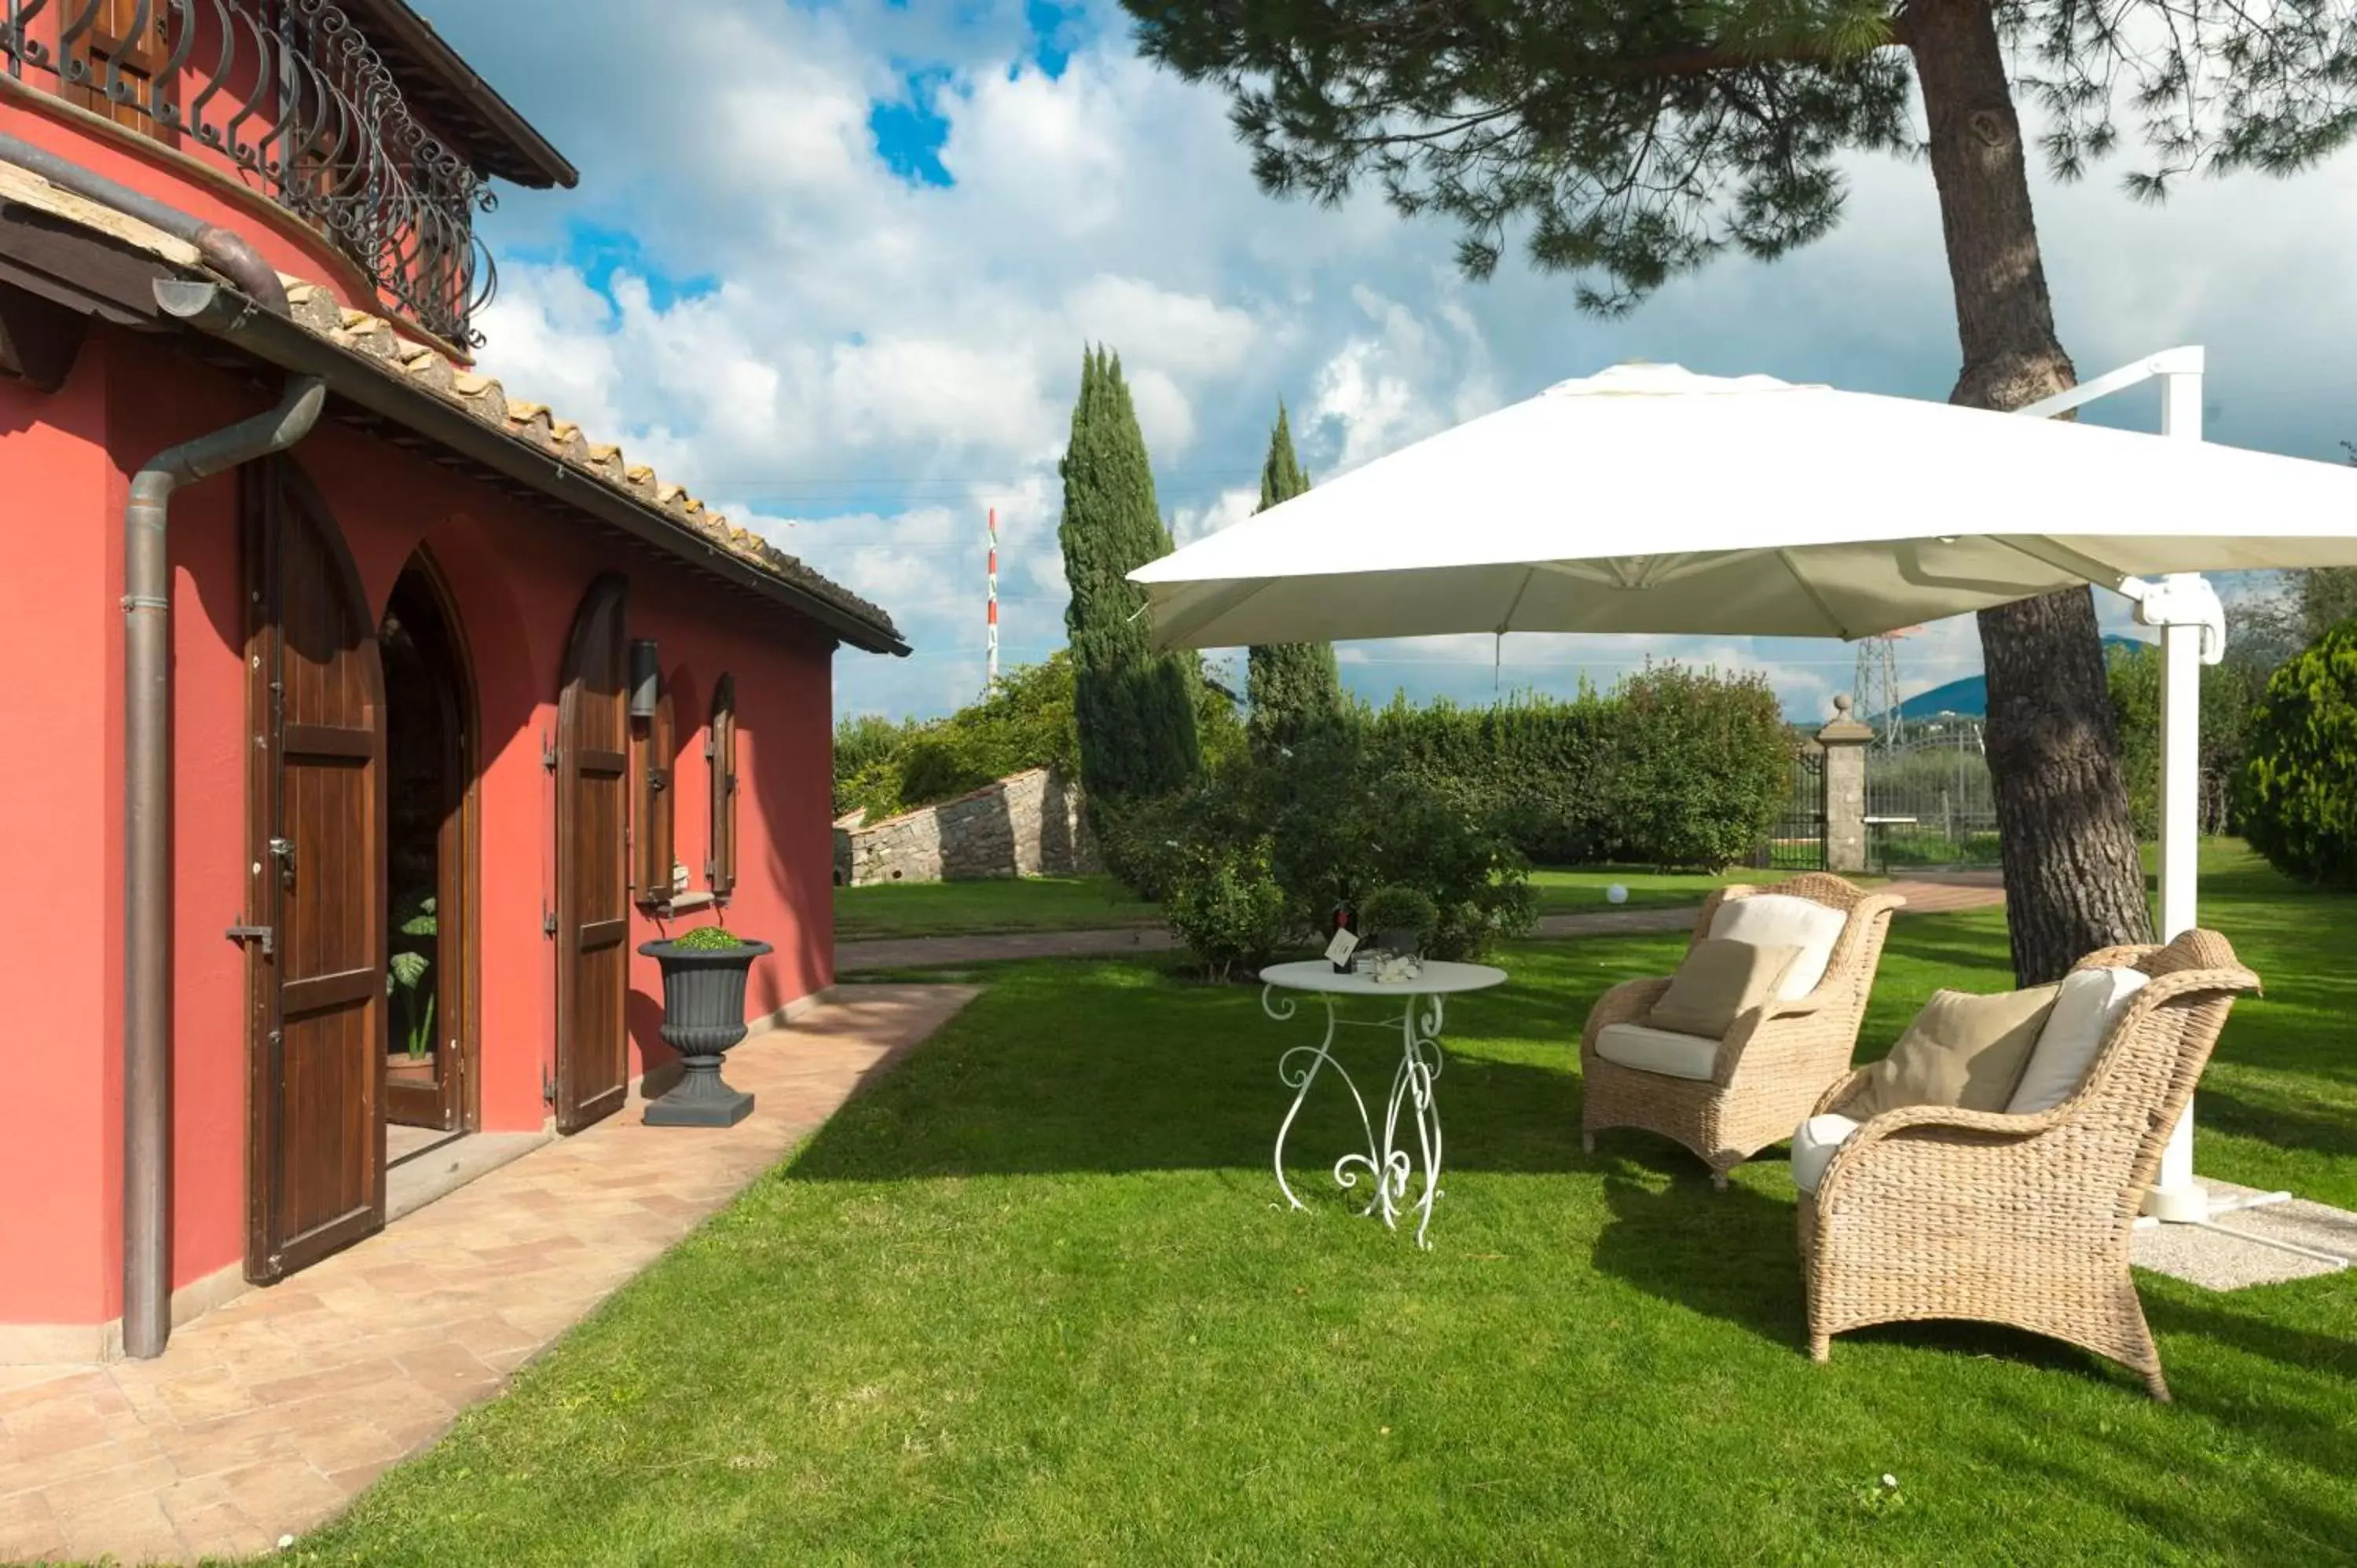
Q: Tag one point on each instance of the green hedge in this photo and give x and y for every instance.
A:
(1673, 766)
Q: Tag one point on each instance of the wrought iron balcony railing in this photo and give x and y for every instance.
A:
(290, 92)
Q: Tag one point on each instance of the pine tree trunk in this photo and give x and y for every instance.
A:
(2074, 882)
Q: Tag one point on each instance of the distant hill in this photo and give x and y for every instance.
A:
(1969, 698)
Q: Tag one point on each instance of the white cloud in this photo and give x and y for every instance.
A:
(1227, 508)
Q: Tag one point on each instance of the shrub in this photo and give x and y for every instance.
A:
(935, 768)
(2231, 693)
(874, 789)
(708, 939)
(1143, 844)
(1701, 765)
(1334, 825)
(1397, 909)
(1224, 904)
(2300, 784)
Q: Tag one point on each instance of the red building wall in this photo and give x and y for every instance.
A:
(60, 821)
(517, 574)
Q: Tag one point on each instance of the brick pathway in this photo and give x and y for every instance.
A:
(267, 1415)
(1933, 894)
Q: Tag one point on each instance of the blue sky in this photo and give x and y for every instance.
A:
(841, 289)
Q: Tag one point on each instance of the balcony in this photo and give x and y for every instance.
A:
(294, 100)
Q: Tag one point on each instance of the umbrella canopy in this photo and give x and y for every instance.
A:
(1648, 499)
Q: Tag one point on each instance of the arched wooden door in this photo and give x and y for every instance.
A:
(314, 923)
(593, 900)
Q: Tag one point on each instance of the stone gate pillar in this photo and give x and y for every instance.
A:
(1845, 741)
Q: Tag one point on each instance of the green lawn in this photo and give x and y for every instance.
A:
(1001, 903)
(1030, 1300)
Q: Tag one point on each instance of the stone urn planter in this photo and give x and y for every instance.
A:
(703, 1015)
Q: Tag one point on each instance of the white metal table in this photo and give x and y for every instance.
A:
(1423, 1005)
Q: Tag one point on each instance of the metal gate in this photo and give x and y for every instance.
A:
(1797, 841)
(1929, 801)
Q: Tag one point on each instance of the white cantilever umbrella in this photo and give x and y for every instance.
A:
(1651, 500)
(1648, 499)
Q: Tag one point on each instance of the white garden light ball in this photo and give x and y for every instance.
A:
(1615, 894)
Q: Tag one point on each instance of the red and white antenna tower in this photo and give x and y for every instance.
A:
(991, 684)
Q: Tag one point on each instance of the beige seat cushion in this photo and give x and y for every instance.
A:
(1813, 1146)
(1719, 981)
(1962, 1050)
(1657, 1050)
(1779, 920)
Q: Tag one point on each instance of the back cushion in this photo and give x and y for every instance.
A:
(1962, 1050)
(1717, 983)
(1781, 920)
(2090, 1002)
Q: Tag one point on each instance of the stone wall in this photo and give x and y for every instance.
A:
(1027, 825)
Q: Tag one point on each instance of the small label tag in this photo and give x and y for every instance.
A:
(1344, 944)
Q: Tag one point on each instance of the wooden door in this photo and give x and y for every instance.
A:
(593, 900)
(315, 901)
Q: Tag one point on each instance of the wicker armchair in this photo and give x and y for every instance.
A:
(1774, 1062)
(1933, 1212)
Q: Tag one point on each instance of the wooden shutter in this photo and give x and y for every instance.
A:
(114, 45)
(720, 746)
(314, 916)
(652, 832)
(593, 907)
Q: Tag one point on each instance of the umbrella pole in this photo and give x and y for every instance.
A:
(2192, 633)
(2176, 1195)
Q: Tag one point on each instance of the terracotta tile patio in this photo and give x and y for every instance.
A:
(268, 1414)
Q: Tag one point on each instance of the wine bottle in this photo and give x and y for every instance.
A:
(1344, 918)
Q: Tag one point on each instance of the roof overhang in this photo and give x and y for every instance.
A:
(438, 81)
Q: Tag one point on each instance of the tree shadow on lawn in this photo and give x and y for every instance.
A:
(1114, 1067)
(2275, 1123)
(1735, 1256)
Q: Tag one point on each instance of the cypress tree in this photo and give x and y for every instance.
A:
(1294, 688)
(1135, 708)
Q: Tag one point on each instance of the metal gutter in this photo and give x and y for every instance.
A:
(224, 251)
(221, 313)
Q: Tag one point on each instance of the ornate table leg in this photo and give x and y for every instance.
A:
(1420, 1063)
(1298, 1074)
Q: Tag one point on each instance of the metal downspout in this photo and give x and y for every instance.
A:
(147, 738)
(147, 841)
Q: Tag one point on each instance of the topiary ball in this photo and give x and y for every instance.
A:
(708, 939)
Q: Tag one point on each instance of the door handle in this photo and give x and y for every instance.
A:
(283, 849)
